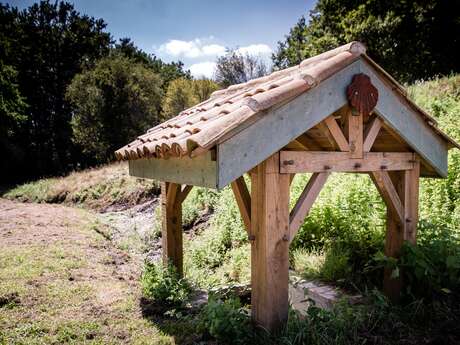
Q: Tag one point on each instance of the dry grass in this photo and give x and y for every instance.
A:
(63, 283)
(98, 188)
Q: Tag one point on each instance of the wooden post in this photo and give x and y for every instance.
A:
(171, 230)
(269, 244)
(407, 185)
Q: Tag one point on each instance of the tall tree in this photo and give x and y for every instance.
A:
(47, 45)
(411, 39)
(235, 68)
(113, 102)
(184, 93)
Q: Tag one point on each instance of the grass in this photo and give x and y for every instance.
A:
(57, 286)
(97, 188)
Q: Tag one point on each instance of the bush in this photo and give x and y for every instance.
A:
(226, 321)
(163, 285)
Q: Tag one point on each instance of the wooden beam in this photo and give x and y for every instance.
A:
(324, 161)
(243, 200)
(184, 192)
(355, 134)
(270, 245)
(197, 171)
(371, 133)
(305, 202)
(411, 202)
(389, 193)
(171, 230)
(337, 133)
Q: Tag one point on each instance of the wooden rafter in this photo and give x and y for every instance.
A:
(389, 193)
(337, 133)
(324, 161)
(243, 200)
(371, 133)
(305, 202)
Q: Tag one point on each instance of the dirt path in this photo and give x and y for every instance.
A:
(61, 281)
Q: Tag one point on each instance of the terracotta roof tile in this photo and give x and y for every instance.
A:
(197, 129)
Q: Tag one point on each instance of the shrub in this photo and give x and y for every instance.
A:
(163, 285)
(226, 321)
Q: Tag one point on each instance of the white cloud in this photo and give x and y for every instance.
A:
(203, 69)
(255, 49)
(191, 49)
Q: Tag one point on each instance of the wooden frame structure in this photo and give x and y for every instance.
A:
(345, 115)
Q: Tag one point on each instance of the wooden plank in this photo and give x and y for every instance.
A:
(243, 200)
(389, 193)
(305, 202)
(171, 230)
(280, 125)
(407, 123)
(355, 134)
(371, 133)
(198, 171)
(337, 133)
(324, 161)
(411, 202)
(270, 245)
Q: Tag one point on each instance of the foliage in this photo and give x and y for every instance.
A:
(43, 48)
(113, 102)
(163, 285)
(167, 71)
(235, 68)
(183, 93)
(46, 44)
(12, 112)
(410, 39)
(226, 321)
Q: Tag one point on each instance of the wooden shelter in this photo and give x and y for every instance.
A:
(335, 112)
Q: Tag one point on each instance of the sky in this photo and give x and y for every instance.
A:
(196, 32)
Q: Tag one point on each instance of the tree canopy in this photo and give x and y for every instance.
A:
(113, 102)
(42, 48)
(235, 67)
(184, 93)
(410, 39)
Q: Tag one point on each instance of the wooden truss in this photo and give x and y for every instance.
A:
(265, 208)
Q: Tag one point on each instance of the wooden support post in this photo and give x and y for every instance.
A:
(269, 244)
(355, 134)
(400, 228)
(171, 230)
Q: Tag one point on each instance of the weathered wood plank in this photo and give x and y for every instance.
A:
(411, 202)
(281, 125)
(407, 123)
(305, 202)
(270, 245)
(371, 133)
(198, 171)
(243, 200)
(337, 133)
(324, 161)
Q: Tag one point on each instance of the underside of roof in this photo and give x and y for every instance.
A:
(197, 130)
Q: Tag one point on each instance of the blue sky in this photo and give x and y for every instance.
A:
(196, 32)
